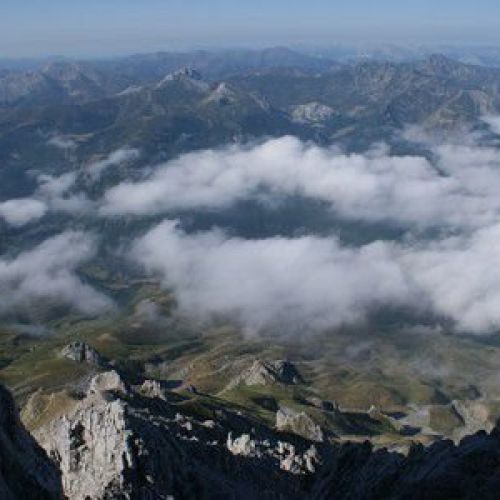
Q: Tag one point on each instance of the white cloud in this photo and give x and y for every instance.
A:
(493, 122)
(50, 196)
(373, 186)
(53, 190)
(315, 283)
(458, 276)
(21, 211)
(45, 277)
(301, 283)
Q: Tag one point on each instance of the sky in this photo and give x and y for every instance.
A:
(108, 27)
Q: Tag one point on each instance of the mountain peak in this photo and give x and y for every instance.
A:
(184, 73)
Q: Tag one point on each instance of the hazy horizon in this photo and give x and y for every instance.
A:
(90, 29)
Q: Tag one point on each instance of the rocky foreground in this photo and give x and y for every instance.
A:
(124, 441)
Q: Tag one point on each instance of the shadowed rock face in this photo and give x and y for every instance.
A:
(25, 470)
(441, 471)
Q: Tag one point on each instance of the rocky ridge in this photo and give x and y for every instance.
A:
(267, 373)
(129, 440)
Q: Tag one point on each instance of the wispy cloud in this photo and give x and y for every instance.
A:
(118, 157)
(45, 277)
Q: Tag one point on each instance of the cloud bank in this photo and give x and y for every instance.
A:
(313, 282)
(316, 283)
(45, 277)
(459, 190)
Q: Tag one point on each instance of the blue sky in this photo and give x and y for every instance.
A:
(107, 27)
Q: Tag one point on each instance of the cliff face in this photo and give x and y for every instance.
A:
(121, 441)
(442, 471)
(25, 470)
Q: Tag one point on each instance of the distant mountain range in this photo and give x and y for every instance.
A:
(166, 104)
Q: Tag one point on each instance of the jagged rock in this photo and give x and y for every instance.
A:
(243, 445)
(184, 73)
(290, 459)
(187, 76)
(113, 444)
(26, 471)
(288, 420)
(268, 372)
(153, 389)
(82, 352)
(103, 451)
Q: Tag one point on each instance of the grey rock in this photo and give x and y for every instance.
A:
(108, 381)
(267, 373)
(288, 420)
(116, 443)
(81, 352)
(290, 459)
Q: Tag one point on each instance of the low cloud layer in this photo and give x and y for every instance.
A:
(459, 190)
(315, 283)
(45, 277)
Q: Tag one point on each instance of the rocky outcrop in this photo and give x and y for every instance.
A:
(82, 352)
(122, 441)
(108, 381)
(267, 373)
(288, 420)
(476, 416)
(25, 470)
(312, 113)
(289, 459)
